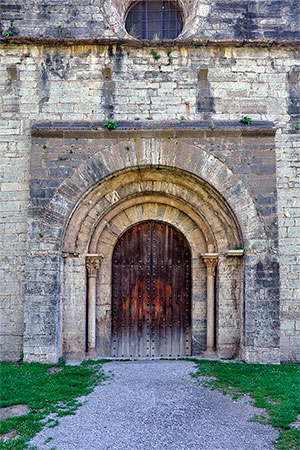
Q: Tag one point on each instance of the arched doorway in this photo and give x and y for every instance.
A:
(134, 197)
(151, 292)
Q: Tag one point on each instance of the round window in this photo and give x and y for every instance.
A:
(153, 20)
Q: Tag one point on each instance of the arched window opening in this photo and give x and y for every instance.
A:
(154, 20)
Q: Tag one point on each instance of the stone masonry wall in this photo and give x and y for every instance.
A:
(105, 152)
(288, 186)
(14, 155)
(90, 83)
(97, 19)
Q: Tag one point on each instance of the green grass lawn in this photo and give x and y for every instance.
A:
(274, 388)
(44, 393)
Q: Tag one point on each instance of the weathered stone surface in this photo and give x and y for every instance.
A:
(13, 411)
(86, 85)
(214, 20)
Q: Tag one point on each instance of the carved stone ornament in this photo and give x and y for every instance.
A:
(92, 264)
(210, 260)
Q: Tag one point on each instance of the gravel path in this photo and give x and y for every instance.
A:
(155, 405)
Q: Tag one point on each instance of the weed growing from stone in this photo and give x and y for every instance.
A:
(8, 33)
(110, 125)
(156, 57)
(297, 126)
(246, 120)
(274, 388)
(61, 32)
(170, 58)
(44, 146)
(212, 125)
(45, 393)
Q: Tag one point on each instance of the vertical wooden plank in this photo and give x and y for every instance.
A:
(124, 293)
(188, 307)
(116, 288)
(180, 298)
(175, 282)
(146, 347)
(168, 278)
(115, 306)
(182, 313)
(154, 299)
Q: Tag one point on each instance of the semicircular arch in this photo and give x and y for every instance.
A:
(110, 230)
(207, 209)
(97, 177)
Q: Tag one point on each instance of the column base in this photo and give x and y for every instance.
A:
(91, 354)
(209, 353)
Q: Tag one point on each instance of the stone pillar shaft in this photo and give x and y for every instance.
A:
(92, 264)
(210, 260)
(210, 313)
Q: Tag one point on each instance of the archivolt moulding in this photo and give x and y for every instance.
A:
(198, 171)
(136, 187)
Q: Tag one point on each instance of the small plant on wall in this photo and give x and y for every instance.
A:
(156, 57)
(246, 120)
(110, 125)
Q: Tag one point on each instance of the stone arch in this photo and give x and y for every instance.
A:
(135, 194)
(198, 164)
(214, 218)
(154, 172)
(183, 216)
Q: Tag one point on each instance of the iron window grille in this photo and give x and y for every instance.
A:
(153, 20)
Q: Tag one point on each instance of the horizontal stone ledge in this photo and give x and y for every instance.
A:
(196, 42)
(66, 254)
(161, 129)
(209, 255)
(228, 253)
(234, 253)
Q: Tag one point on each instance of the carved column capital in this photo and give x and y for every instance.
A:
(93, 263)
(210, 260)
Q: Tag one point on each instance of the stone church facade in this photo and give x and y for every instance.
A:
(177, 231)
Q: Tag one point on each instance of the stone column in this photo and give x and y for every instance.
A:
(92, 264)
(210, 260)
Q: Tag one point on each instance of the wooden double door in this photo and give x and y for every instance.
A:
(151, 292)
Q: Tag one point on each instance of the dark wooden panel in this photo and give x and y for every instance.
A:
(151, 292)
